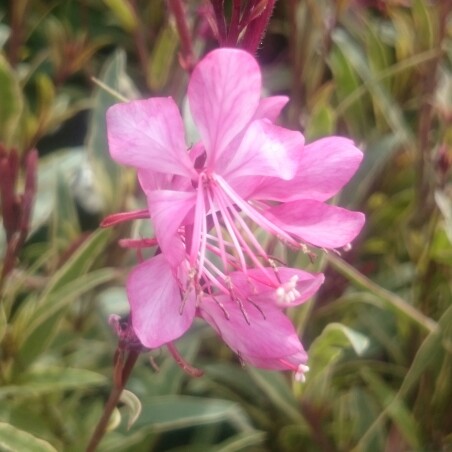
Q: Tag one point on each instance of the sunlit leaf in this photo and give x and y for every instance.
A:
(3, 323)
(335, 338)
(110, 177)
(162, 58)
(124, 13)
(133, 405)
(65, 161)
(51, 379)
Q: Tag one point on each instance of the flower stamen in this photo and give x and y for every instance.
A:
(287, 293)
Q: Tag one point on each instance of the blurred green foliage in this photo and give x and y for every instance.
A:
(379, 332)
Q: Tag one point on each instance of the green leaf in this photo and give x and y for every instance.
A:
(162, 58)
(110, 177)
(380, 96)
(14, 440)
(242, 441)
(124, 14)
(11, 105)
(3, 322)
(64, 225)
(426, 354)
(80, 261)
(336, 338)
(426, 27)
(428, 351)
(444, 203)
(324, 354)
(49, 380)
(378, 54)
(275, 387)
(396, 408)
(37, 319)
(377, 155)
(348, 427)
(321, 122)
(347, 82)
(4, 34)
(39, 322)
(62, 162)
(167, 413)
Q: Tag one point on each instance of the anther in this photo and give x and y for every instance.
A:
(287, 292)
(300, 373)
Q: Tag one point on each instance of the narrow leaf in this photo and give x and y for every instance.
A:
(14, 440)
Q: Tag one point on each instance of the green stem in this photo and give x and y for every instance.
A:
(394, 300)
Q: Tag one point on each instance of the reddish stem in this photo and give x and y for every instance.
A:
(184, 365)
(187, 58)
(218, 7)
(234, 25)
(256, 30)
(16, 209)
(122, 373)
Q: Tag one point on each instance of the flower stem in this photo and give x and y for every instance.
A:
(187, 58)
(121, 378)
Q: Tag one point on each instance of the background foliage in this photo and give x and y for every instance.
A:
(380, 331)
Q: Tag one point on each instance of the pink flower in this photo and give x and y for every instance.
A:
(267, 340)
(206, 200)
(259, 333)
(161, 314)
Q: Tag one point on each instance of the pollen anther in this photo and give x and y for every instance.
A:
(287, 293)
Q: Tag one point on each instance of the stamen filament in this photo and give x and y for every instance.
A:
(256, 216)
(218, 228)
(200, 212)
(231, 229)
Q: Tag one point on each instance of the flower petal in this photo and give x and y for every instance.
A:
(270, 107)
(149, 134)
(264, 284)
(268, 340)
(224, 93)
(155, 303)
(168, 209)
(265, 150)
(324, 167)
(317, 223)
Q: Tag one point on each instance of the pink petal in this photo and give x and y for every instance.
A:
(155, 302)
(262, 285)
(317, 223)
(270, 107)
(168, 209)
(265, 150)
(149, 134)
(151, 180)
(324, 167)
(269, 340)
(223, 93)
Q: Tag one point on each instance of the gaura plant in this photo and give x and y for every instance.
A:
(205, 200)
